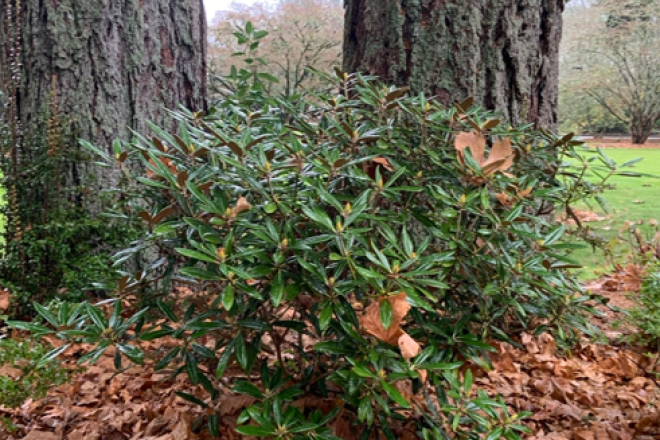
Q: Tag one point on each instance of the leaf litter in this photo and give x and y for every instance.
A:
(597, 392)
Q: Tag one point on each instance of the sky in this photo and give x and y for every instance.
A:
(213, 6)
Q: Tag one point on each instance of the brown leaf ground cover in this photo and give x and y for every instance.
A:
(599, 391)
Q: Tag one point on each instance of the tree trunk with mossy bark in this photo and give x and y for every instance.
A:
(108, 65)
(504, 53)
(96, 70)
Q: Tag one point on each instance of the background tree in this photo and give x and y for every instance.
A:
(622, 60)
(301, 34)
(579, 112)
(91, 70)
(609, 67)
(503, 53)
(113, 65)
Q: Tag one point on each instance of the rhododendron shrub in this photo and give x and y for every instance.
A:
(361, 247)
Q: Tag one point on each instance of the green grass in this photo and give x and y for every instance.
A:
(635, 199)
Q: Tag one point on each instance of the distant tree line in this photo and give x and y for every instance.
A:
(610, 81)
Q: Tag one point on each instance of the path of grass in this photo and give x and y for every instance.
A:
(634, 199)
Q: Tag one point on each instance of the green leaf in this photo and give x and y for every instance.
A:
(202, 274)
(192, 369)
(255, 431)
(318, 216)
(467, 382)
(240, 350)
(394, 394)
(333, 348)
(46, 314)
(196, 255)
(325, 316)
(191, 398)
(96, 316)
(268, 77)
(243, 387)
(386, 314)
(48, 357)
(362, 371)
(167, 311)
(277, 290)
(228, 297)
(224, 360)
(131, 352)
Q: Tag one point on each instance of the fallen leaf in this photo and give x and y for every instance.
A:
(42, 435)
(500, 154)
(241, 206)
(5, 299)
(372, 324)
(500, 157)
(383, 162)
(505, 199)
(11, 372)
(475, 141)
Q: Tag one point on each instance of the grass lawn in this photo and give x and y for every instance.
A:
(635, 199)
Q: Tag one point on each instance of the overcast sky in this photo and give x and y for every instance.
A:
(213, 6)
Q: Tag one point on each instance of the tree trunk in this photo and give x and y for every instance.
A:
(113, 65)
(640, 137)
(641, 126)
(504, 53)
(83, 69)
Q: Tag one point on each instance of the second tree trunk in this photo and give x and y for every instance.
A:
(504, 53)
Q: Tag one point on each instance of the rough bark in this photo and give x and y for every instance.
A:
(114, 64)
(502, 52)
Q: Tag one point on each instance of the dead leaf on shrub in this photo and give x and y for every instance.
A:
(241, 206)
(475, 141)
(372, 324)
(5, 299)
(167, 162)
(505, 199)
(377, 163)
(383, 162)
(409, 347)
(499, 159)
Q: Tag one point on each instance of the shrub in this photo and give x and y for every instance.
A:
(364, 244)
(26, 373)
(645, 316)
(52, 245)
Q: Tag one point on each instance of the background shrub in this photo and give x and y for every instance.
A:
(26, 373)
(52, 245)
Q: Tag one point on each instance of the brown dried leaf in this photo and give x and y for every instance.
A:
(182, 431)
(475, 141)
(11, 372)
(42, 435)
(501, 154)
(408, 346)
(632, 277)
(5, 299)
(505, 199)
(383, 162)
(232, 403)
(372, 324)
(241, 206)
(525, 192)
